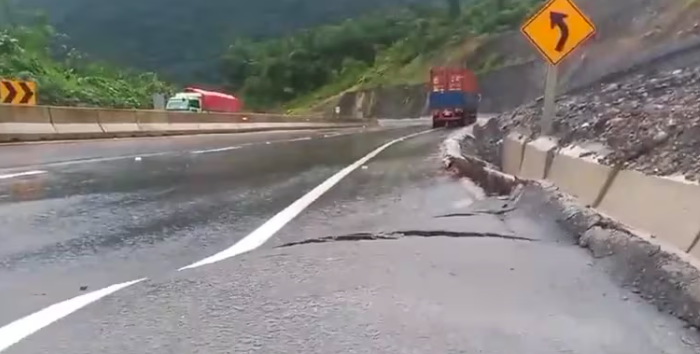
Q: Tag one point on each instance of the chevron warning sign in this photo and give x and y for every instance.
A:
(17, 92)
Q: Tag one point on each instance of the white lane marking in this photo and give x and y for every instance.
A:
(16, 331)
(298, 139)
(263, 233)
(100, 159)
(228, 148)
(236, 147)
(22, 174)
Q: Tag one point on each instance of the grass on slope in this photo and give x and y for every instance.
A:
(31, 52)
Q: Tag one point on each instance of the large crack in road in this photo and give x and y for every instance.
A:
(397, 235)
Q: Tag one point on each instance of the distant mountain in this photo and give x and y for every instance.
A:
(184, 39)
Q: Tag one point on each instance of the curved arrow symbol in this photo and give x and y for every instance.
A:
(557, 19)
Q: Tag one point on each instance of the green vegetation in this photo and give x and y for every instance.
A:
(317, 63)
(33, 51)
(184, 39)
(269, 67)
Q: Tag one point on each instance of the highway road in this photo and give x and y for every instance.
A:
(293, 242)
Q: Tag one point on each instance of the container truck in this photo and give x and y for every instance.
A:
(198, 100)
(454, 97)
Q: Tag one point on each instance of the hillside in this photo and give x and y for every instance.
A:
(300, 70)
(184, 39)
(64, 76)
(631, 95)
(633, 36)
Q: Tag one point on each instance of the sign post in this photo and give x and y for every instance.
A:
(556, 30)
(158, 101)
(18, 92)
(549, 108)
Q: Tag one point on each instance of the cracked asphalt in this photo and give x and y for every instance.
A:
(398, 257)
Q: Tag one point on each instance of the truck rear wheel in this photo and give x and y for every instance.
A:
(437, 124)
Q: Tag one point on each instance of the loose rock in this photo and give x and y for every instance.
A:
(650, 122)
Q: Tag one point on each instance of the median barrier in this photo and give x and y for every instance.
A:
(76, 122)
(183, 122)
(18, 123)
(219, 122)
(152, 122)
(119, 122)
(25, 123)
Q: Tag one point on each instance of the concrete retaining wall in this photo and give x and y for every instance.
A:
(666, 208)
(20, 123)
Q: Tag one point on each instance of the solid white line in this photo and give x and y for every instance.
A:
(298, 139)
(263, 233)
(228, 148)
(16, 331)
(21, 174)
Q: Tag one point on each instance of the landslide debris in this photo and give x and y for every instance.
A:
(649, 122)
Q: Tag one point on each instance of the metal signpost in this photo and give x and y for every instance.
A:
(158, 101)
(556, 30)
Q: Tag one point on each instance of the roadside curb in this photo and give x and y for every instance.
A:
(656, 271)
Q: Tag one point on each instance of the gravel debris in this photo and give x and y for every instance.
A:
(650, 122)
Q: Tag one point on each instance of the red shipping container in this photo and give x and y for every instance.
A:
(453, 79)
(216, 101)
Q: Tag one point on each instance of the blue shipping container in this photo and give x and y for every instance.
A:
(453, 99)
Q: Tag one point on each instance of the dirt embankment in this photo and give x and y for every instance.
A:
(634, 36)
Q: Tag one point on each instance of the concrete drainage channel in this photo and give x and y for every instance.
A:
(665, 276)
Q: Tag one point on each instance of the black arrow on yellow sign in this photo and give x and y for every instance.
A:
(556, 19)
(17, 92)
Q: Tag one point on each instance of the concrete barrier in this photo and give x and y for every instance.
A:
(222, 122)
(18, 123)
(581, 177)
(538, 157)
(184, 121)
(118, 121)
(76, 122)
(25, 123)
(513, 152)
(642, 229)
(152, 122)
(667, 208)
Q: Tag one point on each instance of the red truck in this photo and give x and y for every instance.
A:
(454, 97)
(198, 100)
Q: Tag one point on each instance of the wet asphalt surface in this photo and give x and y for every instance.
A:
(503, 283)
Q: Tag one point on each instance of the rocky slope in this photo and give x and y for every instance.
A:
(648, 122)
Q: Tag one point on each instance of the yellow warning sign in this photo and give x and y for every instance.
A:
(557, 29)
(18, 92)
